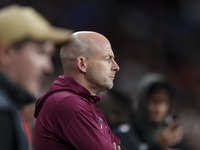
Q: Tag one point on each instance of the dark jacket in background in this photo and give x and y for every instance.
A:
(11, 99)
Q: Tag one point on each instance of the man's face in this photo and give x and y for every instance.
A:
(30, 63)
(101, 67)
(158, 106)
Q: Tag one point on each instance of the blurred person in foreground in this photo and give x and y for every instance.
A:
(66, 114)
(27, 42)
(153, 121)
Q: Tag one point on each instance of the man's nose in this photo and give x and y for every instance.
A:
(115, 66)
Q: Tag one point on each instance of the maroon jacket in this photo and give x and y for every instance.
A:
(67, 119)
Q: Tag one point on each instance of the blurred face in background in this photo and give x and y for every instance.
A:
(28, 63)
(158, 106)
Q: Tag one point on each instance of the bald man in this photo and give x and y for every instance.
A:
(66, 115)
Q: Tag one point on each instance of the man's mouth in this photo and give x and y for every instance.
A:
(112, 77)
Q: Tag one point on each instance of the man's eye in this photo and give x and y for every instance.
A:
(108, 59)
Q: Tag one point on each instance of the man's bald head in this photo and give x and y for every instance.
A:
(82, 44)
(88, 58)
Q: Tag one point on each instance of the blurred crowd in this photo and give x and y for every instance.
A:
(160, 36)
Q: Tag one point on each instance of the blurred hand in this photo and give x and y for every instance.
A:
(170, 136)
(116, 147)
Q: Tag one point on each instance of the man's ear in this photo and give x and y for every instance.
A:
(81, 63)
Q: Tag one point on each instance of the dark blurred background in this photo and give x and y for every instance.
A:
(146, 36)
(160, 36)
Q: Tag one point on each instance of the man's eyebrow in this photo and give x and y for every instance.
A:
(110, 55)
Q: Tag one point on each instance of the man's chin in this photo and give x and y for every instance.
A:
(110, 86)
(35, 91)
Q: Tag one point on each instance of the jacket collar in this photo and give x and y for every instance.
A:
(78, 89)
(66, 83)
(17, 95)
